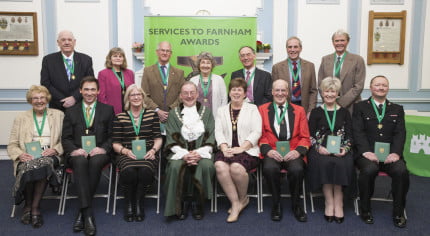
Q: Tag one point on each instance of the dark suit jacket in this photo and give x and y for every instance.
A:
(352, 76)
(54, 77)
(309, 92)
(152, 84)
(74, 127)
(262, 85)
(299, 136)
(366, 133)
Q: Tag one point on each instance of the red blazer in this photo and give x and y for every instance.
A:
(299, 137)
(110, 88)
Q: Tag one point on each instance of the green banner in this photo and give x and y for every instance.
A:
(417, 145)
(221, 36)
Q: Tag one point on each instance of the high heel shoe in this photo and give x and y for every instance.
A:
(232, 218)
(329, 219)
(339, 220)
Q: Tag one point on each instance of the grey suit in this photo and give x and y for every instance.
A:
(309, 90)
(352, 76)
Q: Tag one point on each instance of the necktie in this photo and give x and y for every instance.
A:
(69, 65)
(249, 90)
(88, 114)
(337, 66)
(282, 127)
(296, 84)
(163, 70)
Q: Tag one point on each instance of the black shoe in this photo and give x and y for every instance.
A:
(329, 219)
(128, 211)
(78, 225)
(399, 221)
(184, 211)
(140, 211)
(36, 221)
(339, 220)
(197, 210)
(26, 218)
(90, 226)
(367, 217)
(300, 214)
(276, 212)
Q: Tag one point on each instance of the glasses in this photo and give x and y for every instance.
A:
(135, 95)
(38, 98)
(165, 50)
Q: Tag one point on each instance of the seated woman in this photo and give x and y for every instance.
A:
(331, 170)
(115, 79)
(32, 172)
(211, 87)
(237, 131)
(136, 172)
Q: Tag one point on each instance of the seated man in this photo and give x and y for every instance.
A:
(87, 118)
(379, 120)
(190, 169)
(284, 121)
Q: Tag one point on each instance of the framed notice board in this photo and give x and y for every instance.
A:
(386, 39)
(18, 33)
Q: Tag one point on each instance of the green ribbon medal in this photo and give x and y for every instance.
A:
(164, 77)
(88, 119)
(378, 116)
(279, 119)
(70, 68)
(136, 127)
(120, 79)
(338, 66)
(333, 120)
(39, 129)
(205, 88)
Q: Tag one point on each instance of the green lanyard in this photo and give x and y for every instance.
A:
(164, 77)
(205, 88)
(120, 79)
(279, 119)
(333, 120)
(337, 68)
(295, 76)
(70, 68)
(39, 129)
(251, 77)
(378, 116)
(136, 127)
(88, 119)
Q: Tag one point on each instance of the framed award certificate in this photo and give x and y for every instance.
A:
(283, 147)
(333, 144)
(34, 149)
(139, 148)
(88, 143)
(382, 150)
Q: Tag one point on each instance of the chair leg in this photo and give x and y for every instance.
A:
(304, 196)
(216, 196)
(159, 184)
(311, 198)
(109, 189)
(63, 205)
(261, 188)
(115, 194)
(12, 214)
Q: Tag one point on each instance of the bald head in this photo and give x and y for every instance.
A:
(66, 42)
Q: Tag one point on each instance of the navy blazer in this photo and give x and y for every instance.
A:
(74, 127)
(262, 85)
(54, 77)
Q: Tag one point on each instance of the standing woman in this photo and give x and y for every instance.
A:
(332, 171)
(211, 87)
(114, 80)
(32, 174)
(136, 173)
(238, 128)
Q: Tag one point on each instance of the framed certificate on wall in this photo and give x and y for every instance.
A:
(18, 33)
(386, 39)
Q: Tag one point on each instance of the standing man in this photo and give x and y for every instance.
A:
(83, 120)
(162, 83)
(348, 67)
(259, 81)
(299, 74)
(375, 121)
(63, 71)
(284, 121)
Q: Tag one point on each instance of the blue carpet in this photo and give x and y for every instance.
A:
(250, 222)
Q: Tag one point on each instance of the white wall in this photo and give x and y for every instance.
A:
(425, 78)
(19, 72)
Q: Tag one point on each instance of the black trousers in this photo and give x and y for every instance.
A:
(399, 183)
(295, 174)
(87, 172)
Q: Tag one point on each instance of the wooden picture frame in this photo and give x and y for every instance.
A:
(18, 33)
(386, 38)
